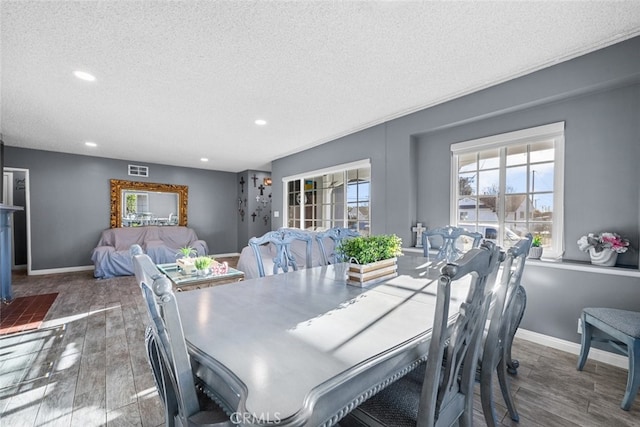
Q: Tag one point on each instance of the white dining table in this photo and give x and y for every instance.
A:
(304, 348)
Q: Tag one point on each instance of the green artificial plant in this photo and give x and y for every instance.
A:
(202, 262)
(537, 241)
(187, 252)
(368, 249)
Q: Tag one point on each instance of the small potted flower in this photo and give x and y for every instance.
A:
(535, 251)
(185, 257)
(603, 248)
(202, 264)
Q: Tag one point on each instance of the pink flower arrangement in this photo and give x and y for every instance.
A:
(602, 241)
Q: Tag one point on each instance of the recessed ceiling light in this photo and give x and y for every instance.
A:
(204, 159)
(261, 122)
(90, 144)
(82, 75)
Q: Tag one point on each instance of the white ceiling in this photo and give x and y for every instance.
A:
(177, 81)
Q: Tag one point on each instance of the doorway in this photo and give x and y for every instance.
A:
(15, 185)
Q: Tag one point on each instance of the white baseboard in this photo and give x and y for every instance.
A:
(90, 267)
(60, 270)
(225, 255)
(574, 348)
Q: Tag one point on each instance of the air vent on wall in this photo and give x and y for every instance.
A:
(137, 170)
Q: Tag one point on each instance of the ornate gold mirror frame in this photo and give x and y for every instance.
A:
(118, 186)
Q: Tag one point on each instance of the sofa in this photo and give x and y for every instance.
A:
(111, 256)
(298, 249)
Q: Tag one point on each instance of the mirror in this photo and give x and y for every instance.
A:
(135, 204)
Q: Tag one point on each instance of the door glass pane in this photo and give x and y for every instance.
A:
(318, 203)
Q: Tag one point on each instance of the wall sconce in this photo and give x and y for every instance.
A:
(267, 182)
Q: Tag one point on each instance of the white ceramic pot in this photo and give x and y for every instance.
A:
(535, 252)
(606, 257)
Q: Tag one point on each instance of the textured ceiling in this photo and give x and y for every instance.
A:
(177, 81)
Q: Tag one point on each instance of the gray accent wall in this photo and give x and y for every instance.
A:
(601, 164)
(70, 203)
(597, 95)
(367, 144)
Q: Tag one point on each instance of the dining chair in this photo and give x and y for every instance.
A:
(621, 330)
(167, 353)
(496, 350)
(440, 391)
(283, 258)
(337, 235)
(451, 238)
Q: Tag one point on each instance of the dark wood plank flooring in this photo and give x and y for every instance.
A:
(86, 366)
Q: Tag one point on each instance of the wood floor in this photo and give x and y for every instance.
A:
(86, 367)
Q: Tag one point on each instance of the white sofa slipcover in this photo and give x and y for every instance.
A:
(111, 256)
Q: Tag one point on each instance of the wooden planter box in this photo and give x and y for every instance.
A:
(187, 265)
(369, 274)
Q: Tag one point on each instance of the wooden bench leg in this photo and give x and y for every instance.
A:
(633, 379)
(587, 331)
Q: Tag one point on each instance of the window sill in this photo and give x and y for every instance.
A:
(628, 271)
(586, 266)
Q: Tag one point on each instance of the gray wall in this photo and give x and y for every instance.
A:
(249, 226)
(601, 160)
(70, 203)
(598, 95)
(368, 144)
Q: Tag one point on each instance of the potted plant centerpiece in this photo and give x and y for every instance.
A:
(535, 251)
(371, 259)
(202, 264)
(185, 261)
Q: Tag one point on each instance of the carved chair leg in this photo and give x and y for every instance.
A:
(506, 391)
(520, 301)
(587, 331)
(486, 397)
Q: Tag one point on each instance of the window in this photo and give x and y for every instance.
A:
(137, 170)
(334, 197)
(507, 185)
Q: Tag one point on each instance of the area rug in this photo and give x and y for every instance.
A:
(25, 313)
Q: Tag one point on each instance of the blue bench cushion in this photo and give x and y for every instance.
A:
(627, 322)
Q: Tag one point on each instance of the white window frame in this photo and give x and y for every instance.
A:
(359, 164)
(553, 131)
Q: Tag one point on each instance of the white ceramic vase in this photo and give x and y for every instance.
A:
(535, 252)
(606, 257)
